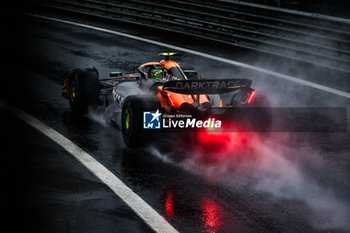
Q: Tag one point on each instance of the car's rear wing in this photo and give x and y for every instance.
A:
(207, 86)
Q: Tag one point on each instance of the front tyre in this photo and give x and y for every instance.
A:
(132, 119)
(83, 90)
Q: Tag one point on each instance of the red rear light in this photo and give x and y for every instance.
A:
(250, 98)
(215, 143)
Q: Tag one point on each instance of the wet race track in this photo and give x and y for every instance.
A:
(286, 182)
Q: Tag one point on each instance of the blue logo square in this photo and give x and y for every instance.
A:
(151, 120)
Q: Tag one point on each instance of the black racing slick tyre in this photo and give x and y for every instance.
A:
(132, 119)
(83, 90)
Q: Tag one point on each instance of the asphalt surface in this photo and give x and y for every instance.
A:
(288, 182)
(46, 190)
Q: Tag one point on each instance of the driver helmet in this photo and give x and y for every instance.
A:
(156, 73)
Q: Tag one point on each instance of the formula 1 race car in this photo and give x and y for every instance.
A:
(159, 87)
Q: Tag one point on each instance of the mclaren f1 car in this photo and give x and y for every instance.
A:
(164, 87)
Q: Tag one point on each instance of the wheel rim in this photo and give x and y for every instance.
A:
(127, 121)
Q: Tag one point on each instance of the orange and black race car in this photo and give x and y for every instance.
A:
(160, 87)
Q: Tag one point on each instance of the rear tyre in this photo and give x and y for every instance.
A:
(257, 116)
(263, 115)
(132, 119)
(83, 90)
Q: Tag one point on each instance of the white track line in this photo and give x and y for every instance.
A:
(213, 57)
(138, 205)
